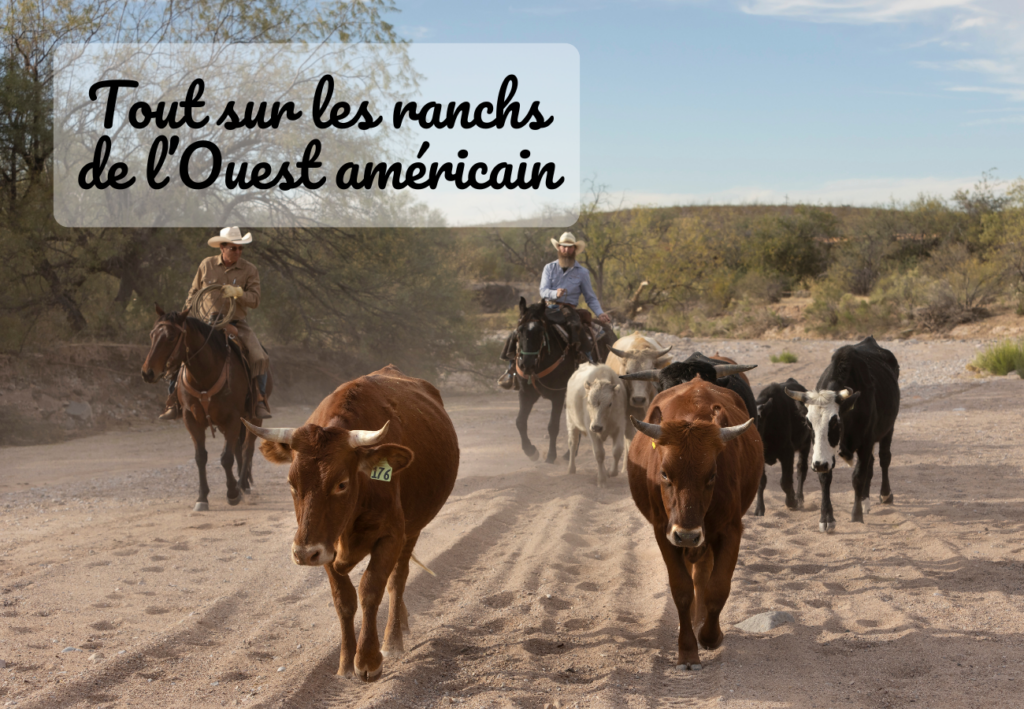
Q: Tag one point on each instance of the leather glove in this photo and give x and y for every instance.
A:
(232, 291)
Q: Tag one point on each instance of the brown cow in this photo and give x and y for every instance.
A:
(693, 474)
(372, 466)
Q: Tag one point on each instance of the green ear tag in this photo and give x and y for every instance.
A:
(381, 472)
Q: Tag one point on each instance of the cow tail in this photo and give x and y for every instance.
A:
(422, 565)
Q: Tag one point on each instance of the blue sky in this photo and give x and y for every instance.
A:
(736, 101)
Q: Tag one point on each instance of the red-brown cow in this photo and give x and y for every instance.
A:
(372, 466)
(693, 474)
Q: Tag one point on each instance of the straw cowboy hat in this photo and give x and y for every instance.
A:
(567, 239)
(230, 235)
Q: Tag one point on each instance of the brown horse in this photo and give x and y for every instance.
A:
(213, 384)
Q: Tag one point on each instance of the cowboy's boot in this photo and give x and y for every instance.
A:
(587, 345)
(508, 379)
(172, 409)
(262, 406)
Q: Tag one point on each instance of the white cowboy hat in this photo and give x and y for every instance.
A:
(230, 235)
(567, 239)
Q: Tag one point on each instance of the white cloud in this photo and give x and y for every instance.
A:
(417, 32)
(855, 11)
(988, 35)
(857, 192)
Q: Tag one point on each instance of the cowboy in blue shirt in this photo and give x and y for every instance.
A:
(562, 284)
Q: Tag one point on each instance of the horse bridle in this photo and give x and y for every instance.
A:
(183, 375)
(534, 379)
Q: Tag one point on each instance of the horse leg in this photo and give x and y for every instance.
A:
(553, 424)
(227, 459)
(527, 398)
(198, 434)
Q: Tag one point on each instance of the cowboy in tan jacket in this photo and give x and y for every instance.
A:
(238, 280)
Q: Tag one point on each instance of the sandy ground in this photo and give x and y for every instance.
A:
(549, 589)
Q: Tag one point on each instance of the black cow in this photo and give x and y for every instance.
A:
(854, 407)
(784, 431)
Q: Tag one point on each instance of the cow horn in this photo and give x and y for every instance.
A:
(619, 353)
(367, 438)
(730, 432)
(647, 375)
(275, 435)
(724, 370)
(800, 396)
(662, 353)
(651, 430)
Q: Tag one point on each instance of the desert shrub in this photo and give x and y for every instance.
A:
(1001, 359)
(744, 319)
(973, 281)
(794, 247)
(837, 313)
(784, 357)
(759, 286)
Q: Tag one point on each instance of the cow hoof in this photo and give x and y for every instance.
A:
(866, 504)
(886, 499)
(368, 676)
(534, 456)
(393, 653)
(689, 666)
(201, 507)
(550, 460)
(235, 500)
(613, 474)
(758, 512)
(827, 527)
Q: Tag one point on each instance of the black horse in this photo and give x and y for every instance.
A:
(544, 364)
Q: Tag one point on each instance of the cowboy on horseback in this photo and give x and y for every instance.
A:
(561, 285)
(238, 280)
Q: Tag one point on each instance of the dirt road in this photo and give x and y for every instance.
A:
(115, 593)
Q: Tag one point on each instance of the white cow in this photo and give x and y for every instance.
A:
(596, 404)
(636, 353)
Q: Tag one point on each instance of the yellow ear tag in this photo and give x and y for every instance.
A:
(382, 472)
(654, 445)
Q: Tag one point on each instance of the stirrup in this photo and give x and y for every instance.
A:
(262, 410)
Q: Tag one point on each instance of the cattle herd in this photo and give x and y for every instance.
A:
(378, 458)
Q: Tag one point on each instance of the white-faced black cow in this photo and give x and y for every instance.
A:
(784, 432)
(854, 407)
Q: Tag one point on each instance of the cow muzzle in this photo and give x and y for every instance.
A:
(820, 466)
(596, 427)
(312, 554)
(688, 538)
(639, 401)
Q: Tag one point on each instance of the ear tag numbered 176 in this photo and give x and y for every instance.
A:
(381, 472)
